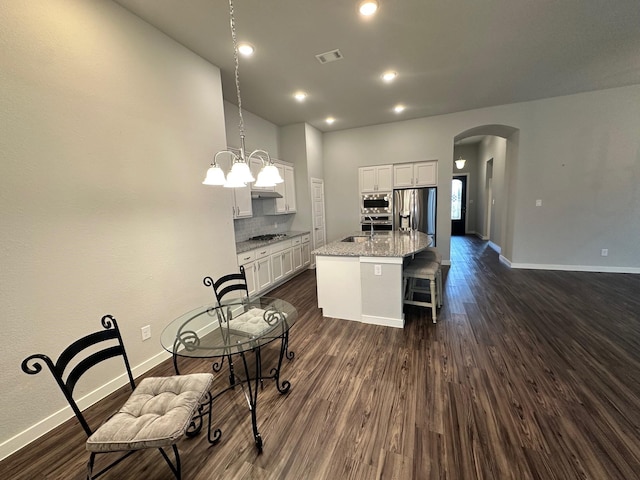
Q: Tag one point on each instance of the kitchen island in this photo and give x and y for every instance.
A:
(360, 276)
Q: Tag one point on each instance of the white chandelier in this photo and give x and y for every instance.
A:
(240, 173)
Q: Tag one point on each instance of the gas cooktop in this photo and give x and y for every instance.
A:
(269, 236)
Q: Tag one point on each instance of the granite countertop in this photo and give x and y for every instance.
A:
(247, 245)
(383, 244)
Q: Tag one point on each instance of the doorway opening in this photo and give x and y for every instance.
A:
(459, 205)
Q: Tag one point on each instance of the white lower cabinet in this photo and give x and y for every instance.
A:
(306, 252)
(257, 268)
(267, 266)
(297, 258)
(263, 275)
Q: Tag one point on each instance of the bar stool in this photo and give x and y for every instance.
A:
(432, 255)
(421, 269)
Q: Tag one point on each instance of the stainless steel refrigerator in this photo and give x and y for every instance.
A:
(415, 209)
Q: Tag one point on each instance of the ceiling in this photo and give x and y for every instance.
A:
(450, 55)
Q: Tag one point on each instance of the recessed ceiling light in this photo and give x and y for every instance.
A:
(300, 96)
(389, 76)
(368, 7)
(330, 120)
(399, 108)
(246, 49)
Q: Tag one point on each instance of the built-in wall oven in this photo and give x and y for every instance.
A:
(377, 211)
(376, 203)
(379, 222)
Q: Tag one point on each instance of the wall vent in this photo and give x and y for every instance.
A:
(331, 56)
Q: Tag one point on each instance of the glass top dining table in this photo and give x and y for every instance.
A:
(234, 327)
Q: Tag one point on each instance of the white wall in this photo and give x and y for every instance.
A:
(259, 133)
(108, 127)
(580, 154)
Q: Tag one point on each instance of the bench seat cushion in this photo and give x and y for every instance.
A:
(156, 414)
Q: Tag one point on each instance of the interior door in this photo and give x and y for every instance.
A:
(317, 213)
(458, 204)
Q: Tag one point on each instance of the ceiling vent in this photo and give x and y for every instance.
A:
(331, 56)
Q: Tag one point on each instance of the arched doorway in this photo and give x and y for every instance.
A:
(492, 152)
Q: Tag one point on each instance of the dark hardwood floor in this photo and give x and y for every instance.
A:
(526, 375)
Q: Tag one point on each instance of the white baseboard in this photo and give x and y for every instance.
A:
(497, 248)
(505, 260)
(383, 321)
(574, 268)
(35, 431)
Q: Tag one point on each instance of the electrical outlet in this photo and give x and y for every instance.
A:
(604, 252)
(538, 203)
(146, 332)
(377, 269)
(275, 225)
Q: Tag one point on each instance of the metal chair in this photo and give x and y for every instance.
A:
(159, 411)
(225, 285)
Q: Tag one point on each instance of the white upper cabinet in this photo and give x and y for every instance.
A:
(242, 202)
(423, 174)
(377, 178)
(286, 204)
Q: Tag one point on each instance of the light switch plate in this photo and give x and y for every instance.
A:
(146, 332)
(538, 203)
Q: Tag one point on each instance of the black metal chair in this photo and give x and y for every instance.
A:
(225, 285)
(168, 404)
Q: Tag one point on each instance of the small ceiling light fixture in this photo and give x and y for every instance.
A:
(460, 163)
(368, 7)
(389, 76)
(246, 49)
(300, 96)
(399, 108)
(240, 173)
(330, 120)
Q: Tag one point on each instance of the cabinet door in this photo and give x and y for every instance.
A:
(263, 277)
(281, 203)
(403, 175)
(367, 179)
(385, 178)
(290, 189)
(277, 273)
(250, 271)
(287, 263)
(297, 257)
(306, 254)
(426, 174)
(242, 202)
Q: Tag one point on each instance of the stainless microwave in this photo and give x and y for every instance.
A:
(376, 203)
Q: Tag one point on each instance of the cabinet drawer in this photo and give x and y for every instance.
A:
(263, 252)
(280, 246)
(306, 238)
(246, 257)
(296, 241)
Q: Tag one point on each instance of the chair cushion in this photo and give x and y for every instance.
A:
(430, 254)
(421, 268)
(253, 322)
(156, 414)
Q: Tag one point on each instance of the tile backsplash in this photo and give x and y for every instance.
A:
(261, 224)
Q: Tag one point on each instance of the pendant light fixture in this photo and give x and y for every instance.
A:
(460, 163)
(240, 173)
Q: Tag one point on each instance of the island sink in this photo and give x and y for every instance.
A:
(357, 238)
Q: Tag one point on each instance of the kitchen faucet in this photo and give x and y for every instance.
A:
(370, 220)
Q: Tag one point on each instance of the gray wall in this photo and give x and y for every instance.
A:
(579, 154)
(108, 127)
